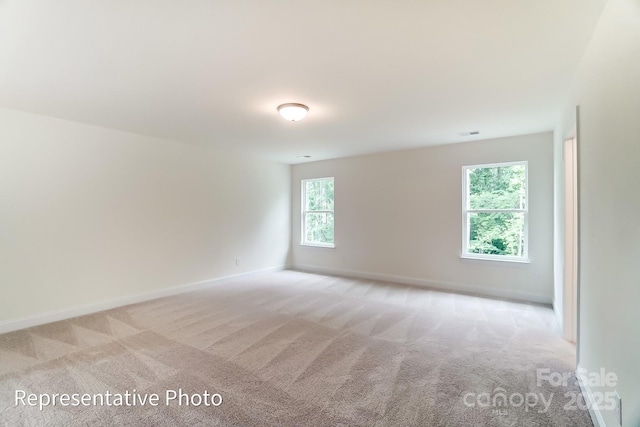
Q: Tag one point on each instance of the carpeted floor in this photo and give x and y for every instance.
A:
(297, 349)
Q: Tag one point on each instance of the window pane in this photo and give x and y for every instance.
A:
(496, 233)
(318, 227)
(319, 195)
(497, 188)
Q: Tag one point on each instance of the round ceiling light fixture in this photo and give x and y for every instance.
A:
(293, 112)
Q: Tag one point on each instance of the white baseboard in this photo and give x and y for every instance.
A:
(594, 411)
(432, 284)
(55, 316)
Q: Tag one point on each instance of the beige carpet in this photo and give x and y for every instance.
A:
(296, 349)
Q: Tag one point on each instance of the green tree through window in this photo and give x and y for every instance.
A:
(495, 211)
(317, 212)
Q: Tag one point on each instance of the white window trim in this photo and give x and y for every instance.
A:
(465, 212)
(303, 213)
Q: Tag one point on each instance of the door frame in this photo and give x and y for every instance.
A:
(570, 273)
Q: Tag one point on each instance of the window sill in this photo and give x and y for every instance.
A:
(319, 245)
(498, 259)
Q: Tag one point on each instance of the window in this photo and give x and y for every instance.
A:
(495, 212)
(317, 212)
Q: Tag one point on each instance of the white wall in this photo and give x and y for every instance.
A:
(608, 92)
(89, 214)
(398, 216)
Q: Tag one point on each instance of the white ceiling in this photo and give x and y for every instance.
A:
(377, 75)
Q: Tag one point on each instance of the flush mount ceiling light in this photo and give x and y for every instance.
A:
(293, 111)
